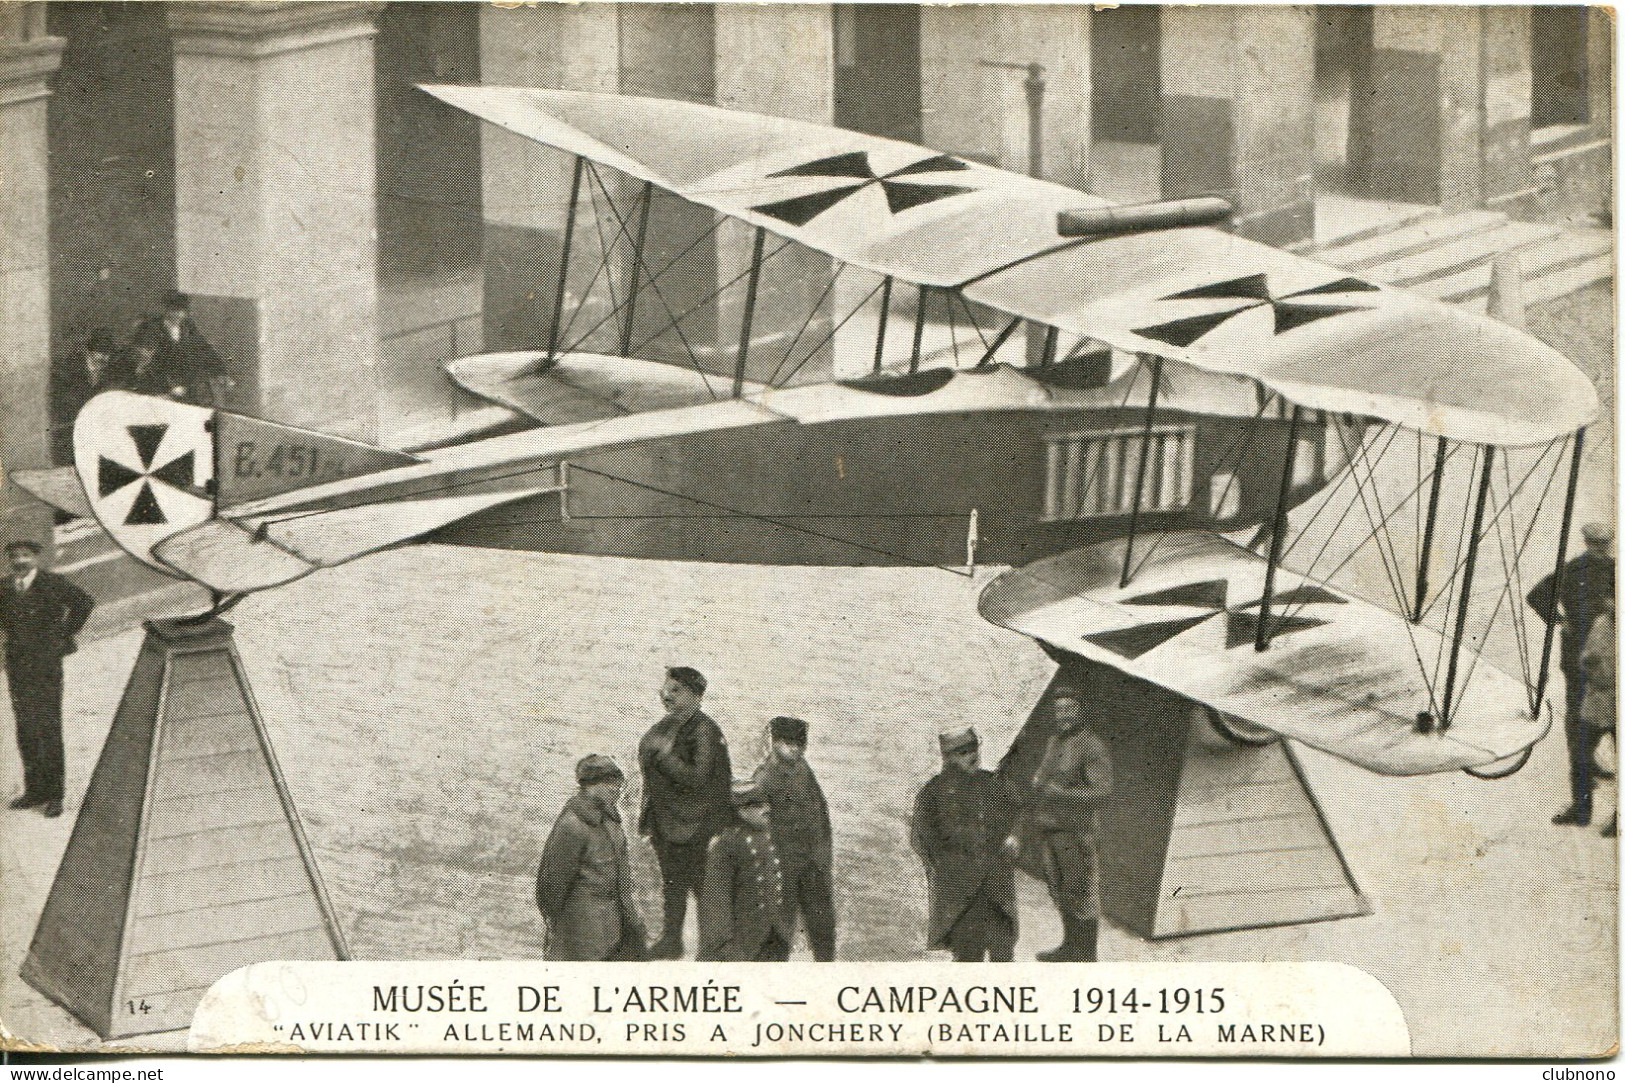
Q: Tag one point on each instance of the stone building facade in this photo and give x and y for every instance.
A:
(341, 232)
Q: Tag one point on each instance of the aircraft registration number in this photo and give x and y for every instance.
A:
(251, 460)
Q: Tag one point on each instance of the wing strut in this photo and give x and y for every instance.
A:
(1051, 336)
(1145, 456)
(919, 330)
(1278, 533)
(998, 341)
(750, 311)
(885, 310)
(564, 261)
(637, 267)
(1427, 533)
(1562, 557)
(1467, 585)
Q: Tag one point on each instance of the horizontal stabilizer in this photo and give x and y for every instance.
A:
(58, 487)
(258, 459)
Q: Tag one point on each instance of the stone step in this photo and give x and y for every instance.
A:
(1457, 255)
(1549, 287)
(1419, 234)
(1538, 261)
(1391, 223)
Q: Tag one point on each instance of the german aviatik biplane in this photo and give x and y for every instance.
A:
(1139, 480)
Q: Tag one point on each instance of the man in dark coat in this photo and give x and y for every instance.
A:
(961, 830)
(801, 833)
(140, 369)
(1059, 826)
(184, 356)
(686, 774)
(40, 613)
(86, 374)
(1586, 579)
(743, 914)
(584, 885)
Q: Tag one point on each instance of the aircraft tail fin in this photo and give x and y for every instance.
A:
(152, 468)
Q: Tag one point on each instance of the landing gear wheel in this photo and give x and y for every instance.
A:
(1502, 768)
(1239, 731)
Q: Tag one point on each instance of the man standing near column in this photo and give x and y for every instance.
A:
(686, 777)
(1587, 578)
(40, 613)
(1060, 823)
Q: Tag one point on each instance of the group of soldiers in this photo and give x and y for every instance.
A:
(165, 355)
(756, 854)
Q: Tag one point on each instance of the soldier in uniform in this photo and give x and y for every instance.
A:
(801, 833)
(1059, 824)
(961, 830)
(40, 613)
(584, 885)
(743, 915)
(686, 773)
(1586, 579)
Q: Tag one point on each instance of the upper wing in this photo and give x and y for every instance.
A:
(1339, 675)
(1318, 336)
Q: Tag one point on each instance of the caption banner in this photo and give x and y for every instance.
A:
(765, 1009)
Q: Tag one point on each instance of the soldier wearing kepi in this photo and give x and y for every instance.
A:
(40, 613)
(743, 916)
(961, 828)
(1059, 824)
(584, 885)
(1587, 578)
(686, 773)
(801, 833)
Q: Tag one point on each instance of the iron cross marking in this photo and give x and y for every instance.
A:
(901, 195)
(177, 474)
(1241, 622)
(1291, 310)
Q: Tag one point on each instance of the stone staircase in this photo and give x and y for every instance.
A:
(1448, 256)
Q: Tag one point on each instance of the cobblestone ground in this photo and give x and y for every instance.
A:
(427, 706)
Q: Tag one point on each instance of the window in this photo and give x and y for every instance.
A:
(1095, 475)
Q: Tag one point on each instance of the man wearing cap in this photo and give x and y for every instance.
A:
(40, 613)
(86, 374)
(962, 822)
(141, 370)
(743, 915)
(584, 885)
(184, 356)
(686, 774)
(801, 833)
(1059, 823)
(1586, 579)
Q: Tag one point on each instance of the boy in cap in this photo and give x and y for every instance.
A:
(743, 917)
(961, 830)
(584, 885)
(1574, 604)
(801, 833)
(686, 772)
(40, 613)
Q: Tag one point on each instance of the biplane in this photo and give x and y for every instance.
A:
(1180, 394)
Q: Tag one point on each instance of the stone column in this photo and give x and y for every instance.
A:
(974, 109)
(1449, 107)
(1238, 114)
(276, 198)
(28, 56)
(777, 59)
(527, 186)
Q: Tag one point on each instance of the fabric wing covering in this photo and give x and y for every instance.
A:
(1318, 336)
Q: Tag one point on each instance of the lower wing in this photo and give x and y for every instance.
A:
(1340, 674)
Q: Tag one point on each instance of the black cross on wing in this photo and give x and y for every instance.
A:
(901, 191)
(1290, 310)
(1241, 622)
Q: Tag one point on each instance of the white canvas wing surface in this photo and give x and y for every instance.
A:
(1339, 675)
(1319, 336)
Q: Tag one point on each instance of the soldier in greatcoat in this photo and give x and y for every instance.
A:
(961, 829)
(801, 833)
(584, 885)
(686, 773)
(743, 915)
(1059, 825)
